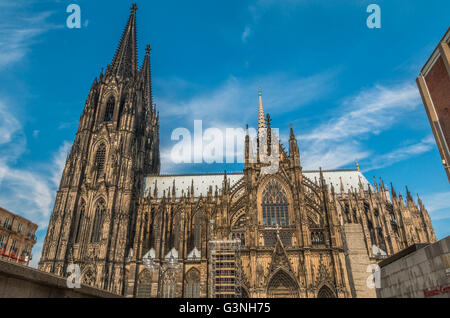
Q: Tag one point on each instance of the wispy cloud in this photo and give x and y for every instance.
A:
(9, 125)
(258, 9)
(339, 141)
(19, 31)
(402, 153)
(27, 190)
(438, 205)
(234, 103)
(369, 112)
(246, 33)
(332, 155)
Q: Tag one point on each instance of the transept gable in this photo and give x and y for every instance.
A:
(323, 276)
(282, 180)
(280, 259)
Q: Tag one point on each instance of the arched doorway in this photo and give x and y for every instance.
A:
(144, 285)
(282, 285)
(325, 292)
(192, 285)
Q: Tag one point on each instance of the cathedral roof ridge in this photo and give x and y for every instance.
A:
(194, 174)
(333, 170)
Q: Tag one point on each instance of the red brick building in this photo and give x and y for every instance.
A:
(434, 87)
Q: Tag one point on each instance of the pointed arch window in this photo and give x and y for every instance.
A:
(156, 232)
(144, 285)
(176, 231)
(192, 289)
(197, 230)
(100, 155)
(79, 221)
(275, 205)
(122, 104)
(109, 111)
(169, 284)
(98, 221)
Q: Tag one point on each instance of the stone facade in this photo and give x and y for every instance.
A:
(116, 145)
(17, 237)
(296, 227)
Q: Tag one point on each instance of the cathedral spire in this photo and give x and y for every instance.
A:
(408, 195)
(394, 194)
(124, 61)
(261, 117)
(147, 78)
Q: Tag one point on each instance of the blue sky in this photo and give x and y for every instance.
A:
(349, 90)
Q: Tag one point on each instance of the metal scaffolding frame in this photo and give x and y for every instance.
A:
(225, 269)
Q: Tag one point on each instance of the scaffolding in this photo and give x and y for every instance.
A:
(225, 269)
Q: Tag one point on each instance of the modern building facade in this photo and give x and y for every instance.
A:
(434, 87)
(258, 233)
(17, 237)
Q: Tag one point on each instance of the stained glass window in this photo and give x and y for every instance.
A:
(98, 221)
(275, 205)
(109, 111)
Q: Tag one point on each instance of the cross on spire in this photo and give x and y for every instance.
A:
(134, 7)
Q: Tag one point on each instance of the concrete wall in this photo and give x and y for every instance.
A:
(357, 261)
(19, 281)
(426, 269)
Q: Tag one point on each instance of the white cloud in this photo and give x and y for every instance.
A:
(331, 155)
(438, 205)
(246, 33)
(9, 125)
(235, 103)
(402, 153)
(339, 141)
(36, 252)
(368, 112)
(27, 190)
(19, 31)
(59, 161)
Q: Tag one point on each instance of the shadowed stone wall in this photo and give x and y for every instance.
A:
(424, 272)
(19, 281)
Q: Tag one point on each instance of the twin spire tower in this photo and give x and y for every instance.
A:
(116, 145)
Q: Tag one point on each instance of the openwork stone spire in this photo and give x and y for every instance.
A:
(261, 117)
(146, 74)
(124, 62)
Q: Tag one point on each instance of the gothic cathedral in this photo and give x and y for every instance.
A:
(132, 231)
